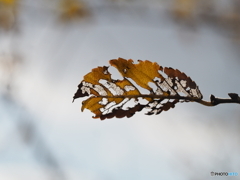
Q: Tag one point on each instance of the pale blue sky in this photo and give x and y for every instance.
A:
(187, 142)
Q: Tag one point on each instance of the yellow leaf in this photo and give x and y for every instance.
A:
(121, 98)
(142, 73)
(93, 105)
(96, 74)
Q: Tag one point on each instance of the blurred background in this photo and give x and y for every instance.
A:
(46, 47)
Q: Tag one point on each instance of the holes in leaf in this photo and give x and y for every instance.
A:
(105, 72)
(129, 88)
(129, 104)
(100, 90)
(159, 91)
(114, 73)
(164, 75)
(153, 86)
(169, 81)
(113, 88)
(142, 90)
(104, 101)
(85, 89)
(167, 88)
(181, 91)
(155, 111)
(164, 101)
(157, 79)
(195, 93)
(153, 104)
(87, 84)
(183, 83)
(159, 105)
(108, 108)
(142, 101)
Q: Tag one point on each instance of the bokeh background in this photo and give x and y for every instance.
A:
(46, 47)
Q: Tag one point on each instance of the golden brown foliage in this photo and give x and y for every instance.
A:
(111, 98)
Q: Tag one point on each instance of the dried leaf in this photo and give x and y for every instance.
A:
(114, 98)
(141, 73)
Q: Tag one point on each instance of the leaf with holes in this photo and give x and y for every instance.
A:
(122, 98)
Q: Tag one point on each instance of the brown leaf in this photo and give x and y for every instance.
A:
(142, 73)
(121, 98)
(120, 113)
